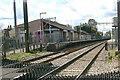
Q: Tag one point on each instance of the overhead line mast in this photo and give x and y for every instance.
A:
(118, 13)
(26, 25)
(15, 22)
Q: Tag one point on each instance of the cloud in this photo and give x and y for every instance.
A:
(5, 18)
(71, 12)
(109, 14)
(103, 7)
(2, 8)
(19, 13)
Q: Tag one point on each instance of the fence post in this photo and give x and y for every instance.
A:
(106, 44)
(30, 40)
(37, 42)
(33, 44)
(22, 44)
(4, 47)
(14, 41)
(40, 45)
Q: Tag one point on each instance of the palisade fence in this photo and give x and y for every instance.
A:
(53, 37)
(10, 45)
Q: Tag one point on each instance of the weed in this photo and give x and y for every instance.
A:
(19, 56)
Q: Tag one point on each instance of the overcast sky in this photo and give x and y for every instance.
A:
(71, 12)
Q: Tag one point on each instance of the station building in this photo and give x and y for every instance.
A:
(51, 32)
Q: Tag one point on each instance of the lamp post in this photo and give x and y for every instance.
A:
(80, 31)
(50, 26)
(41, 31)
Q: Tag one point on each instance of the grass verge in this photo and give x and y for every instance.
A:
(20, 56)
(112, 55)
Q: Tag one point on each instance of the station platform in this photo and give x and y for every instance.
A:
(62, 45)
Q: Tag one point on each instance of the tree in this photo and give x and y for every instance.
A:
(99, 35)
(86, 27)
(92, 22)
(108, 34)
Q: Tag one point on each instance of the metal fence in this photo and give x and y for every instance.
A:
(9, 45)
(53, 37)
(112, 45)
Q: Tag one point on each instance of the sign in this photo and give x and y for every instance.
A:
(21, 30)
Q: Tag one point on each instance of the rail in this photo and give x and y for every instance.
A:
(68, 62)
(88, 65)
(32, 65)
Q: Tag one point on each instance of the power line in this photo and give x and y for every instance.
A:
(115, 5)
(96, 9)
(101, 15)
(71, 7)
(75, 10)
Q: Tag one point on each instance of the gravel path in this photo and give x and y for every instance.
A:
(68, 57)
(53, 56)
(47, 58)
(103, 66)
(76, 67)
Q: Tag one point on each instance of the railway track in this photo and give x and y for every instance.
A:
(41, 61)
(7, 63)
(76, 63)
(46, 56)
(90, 62)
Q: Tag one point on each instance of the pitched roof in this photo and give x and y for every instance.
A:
(36, 23)
(61, 26)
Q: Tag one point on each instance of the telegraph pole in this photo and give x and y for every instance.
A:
(26, 25)
(15, 22)
(118, 13)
